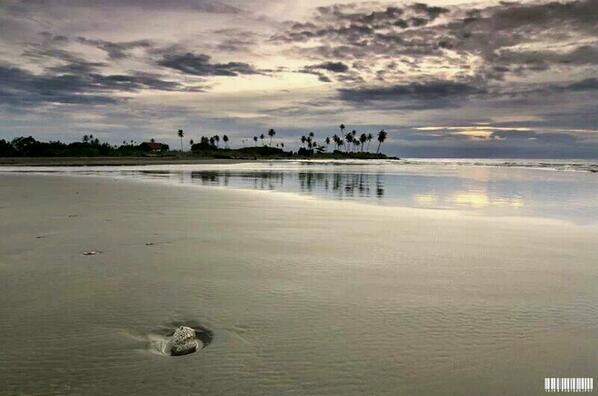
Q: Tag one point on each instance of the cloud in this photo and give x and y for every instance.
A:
(435, 92)
(200, 65)
(115, 50)
(207, 6)
(336, 67)
(19, 87)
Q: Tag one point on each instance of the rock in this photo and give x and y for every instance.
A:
(91, 253)
(183, 341)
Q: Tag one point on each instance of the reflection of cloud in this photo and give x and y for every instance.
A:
(481, 199)
(476, 199)
(425, 199)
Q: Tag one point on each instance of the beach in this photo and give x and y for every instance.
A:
(303, 294)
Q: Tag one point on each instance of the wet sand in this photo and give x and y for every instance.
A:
(303, 295)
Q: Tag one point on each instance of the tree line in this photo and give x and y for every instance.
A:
(90, 146)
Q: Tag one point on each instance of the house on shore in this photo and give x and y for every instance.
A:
(153, 147)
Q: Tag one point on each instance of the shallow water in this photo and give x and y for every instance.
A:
(302, 296)
(548, 188)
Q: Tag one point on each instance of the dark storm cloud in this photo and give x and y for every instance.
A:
(201, 65)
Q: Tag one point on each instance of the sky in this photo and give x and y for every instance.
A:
(444, 78)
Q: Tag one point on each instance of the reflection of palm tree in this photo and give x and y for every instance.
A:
(180, 134)
(271, 133)
(381, 138)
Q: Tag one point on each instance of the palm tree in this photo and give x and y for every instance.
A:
(217, 140)
(354, 133)
(225, 139)
(381, 138)
(311, 135)
(282, 144)
(85, 138)
(342, 128)
(190, 142)
(356, 144)
(152, 140)
(362, 139)
(349, 139)
(327, 140)
(370, 137)
(255, 140)
(303, 140)
(180, 134)
(262, 137)
(271, 133)
(335, 139)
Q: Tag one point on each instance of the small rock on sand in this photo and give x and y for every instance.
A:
(183, 341)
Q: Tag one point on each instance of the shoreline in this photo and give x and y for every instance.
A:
(113, 161)
(133, 161)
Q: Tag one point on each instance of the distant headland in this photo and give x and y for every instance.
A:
(91, 151)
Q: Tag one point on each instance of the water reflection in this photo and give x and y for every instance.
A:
(339, 184)
(498, 191)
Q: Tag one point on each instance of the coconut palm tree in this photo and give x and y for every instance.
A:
(271, 133)
(85, 138)
(217, 140)
(362, 139)
(327, 140)
(342, 128)
(381, 138)
(349, 139)
(354, 133)
(356, 144)
(255, 140)
(262, 137)
(152, 140)
(190, 142)
(370, 137)
(225, 139)
(303, 140)
(181, 134)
